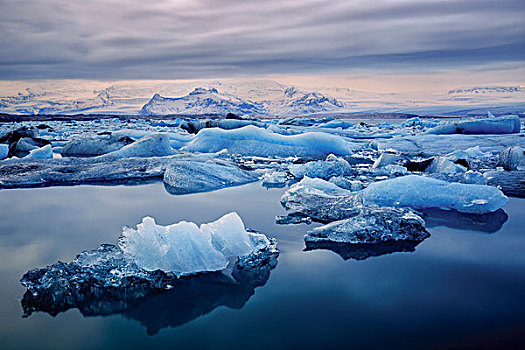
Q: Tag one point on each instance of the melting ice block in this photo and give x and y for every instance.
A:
(253, 141)
(184, 248)
(421, 192)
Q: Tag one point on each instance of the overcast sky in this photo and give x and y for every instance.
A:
(193, 39)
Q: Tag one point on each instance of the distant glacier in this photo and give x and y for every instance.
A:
(259, 97)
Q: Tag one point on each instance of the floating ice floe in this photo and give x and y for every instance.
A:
(512, 158)
(153, 259)
(320, 200)
(372, 225)
(154, 145)
(385, 159)
(186, 176)
(500, 125)
(324, 169)
(95, 145)
(441, 144)
(254, 141)
(472, 153)
(419, 192)
(45, 152)
(4, 151)
(512, 183)
(443, 165)
(351, 185)
(15, 173)
(275, 179)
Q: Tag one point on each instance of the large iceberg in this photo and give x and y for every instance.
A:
(186, 176)
(253, 141)
(151, 260)
(421, 192)
(184, 248)
(501, 125)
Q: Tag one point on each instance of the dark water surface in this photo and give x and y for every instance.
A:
(464, 286)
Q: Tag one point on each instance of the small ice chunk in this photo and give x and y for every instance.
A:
(419, 192)
(95, 145)
(324, 169)
(443, 165)
(4, 151)
(385, 159)
(373, 225)
(275, 179)
(512, 158)
(351, 185)
(45, 152)
(154, 145)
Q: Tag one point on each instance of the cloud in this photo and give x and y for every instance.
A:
(183, 39)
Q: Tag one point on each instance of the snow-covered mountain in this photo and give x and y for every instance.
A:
(256, 97)
(201, 101)
(283, 101)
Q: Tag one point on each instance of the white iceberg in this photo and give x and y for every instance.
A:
(275, 179)
(253, 141)
(498, 125)
(385, 159)
(419, 192)
(184, 248)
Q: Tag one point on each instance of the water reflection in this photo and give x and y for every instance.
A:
(190, 298)
(196, 297)
(489, 223)
(363, 251)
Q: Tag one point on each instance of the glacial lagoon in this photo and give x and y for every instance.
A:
(462, 286)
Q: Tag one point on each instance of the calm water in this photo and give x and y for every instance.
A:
(462, 286)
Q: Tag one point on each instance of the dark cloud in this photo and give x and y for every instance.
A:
(173, 39)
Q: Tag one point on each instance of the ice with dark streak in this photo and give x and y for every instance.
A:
(149, 261)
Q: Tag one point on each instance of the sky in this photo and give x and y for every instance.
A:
(382, 44)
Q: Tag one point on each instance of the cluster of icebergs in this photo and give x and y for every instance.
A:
(372, 187)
